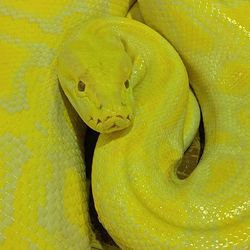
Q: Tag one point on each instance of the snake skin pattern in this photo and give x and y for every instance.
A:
(139, 199)
(43, 196)
(42, 181)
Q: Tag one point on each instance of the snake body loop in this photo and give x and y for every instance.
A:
(150, 208)
(135, 90)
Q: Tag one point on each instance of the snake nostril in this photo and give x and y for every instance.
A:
(98, 121)
(128, 117)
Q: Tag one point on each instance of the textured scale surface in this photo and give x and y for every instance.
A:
(138, 197)
(43, 196)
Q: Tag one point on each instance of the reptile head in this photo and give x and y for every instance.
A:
(94, 73)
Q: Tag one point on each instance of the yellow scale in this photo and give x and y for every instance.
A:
(139, 199)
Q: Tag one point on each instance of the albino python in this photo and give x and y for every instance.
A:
(139, 199)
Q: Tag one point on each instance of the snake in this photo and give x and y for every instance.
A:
(130, 82)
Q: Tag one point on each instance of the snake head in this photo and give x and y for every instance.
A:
(95, 74)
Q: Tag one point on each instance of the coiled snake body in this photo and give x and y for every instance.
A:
(138, 197)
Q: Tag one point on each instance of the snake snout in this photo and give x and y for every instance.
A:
(113, 123)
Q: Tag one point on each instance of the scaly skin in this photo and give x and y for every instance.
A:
(42, 180)
(138, 196)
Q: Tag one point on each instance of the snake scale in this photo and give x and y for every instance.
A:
(139, 199)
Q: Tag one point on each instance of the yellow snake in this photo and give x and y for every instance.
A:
(137, 195)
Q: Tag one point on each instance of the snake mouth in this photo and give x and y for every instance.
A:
(110, 123)
(115, 126)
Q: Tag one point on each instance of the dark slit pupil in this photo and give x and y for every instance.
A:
(81, 86)
(126, 84)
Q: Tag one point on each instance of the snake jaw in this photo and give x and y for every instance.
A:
(110, 123)
(113, 123)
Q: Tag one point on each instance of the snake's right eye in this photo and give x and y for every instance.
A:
(81, 86)
(126, 84)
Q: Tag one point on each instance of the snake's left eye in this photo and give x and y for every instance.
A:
(126, 84)
(81, 86)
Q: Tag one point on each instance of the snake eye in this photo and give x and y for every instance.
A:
(126, 84)
(81, 86)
